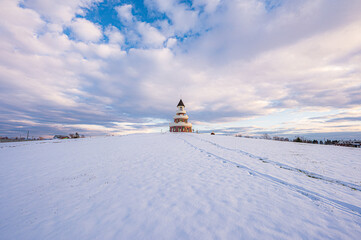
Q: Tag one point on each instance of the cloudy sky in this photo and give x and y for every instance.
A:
(241, 66)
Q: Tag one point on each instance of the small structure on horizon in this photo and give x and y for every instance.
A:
(61, 137)
(180, 123)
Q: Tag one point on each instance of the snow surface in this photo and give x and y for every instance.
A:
(178, 186)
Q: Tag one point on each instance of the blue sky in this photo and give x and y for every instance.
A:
(241, 66)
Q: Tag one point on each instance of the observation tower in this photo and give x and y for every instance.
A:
(180, 123)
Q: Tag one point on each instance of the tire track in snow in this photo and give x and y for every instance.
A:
(287, 167)
(314, 196)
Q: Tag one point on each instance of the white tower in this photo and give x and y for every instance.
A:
(180, 123)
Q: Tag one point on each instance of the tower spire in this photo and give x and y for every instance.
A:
(180, 103)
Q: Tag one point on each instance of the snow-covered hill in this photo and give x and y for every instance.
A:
(178, 186)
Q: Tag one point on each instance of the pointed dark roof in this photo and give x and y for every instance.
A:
(180, 103)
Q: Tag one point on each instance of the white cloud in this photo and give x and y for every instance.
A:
(60, 12)
(125, 12)
(138, 33)
(151, 37)
(114, 35)
(86, 30)
(107, 50)
(182, 17)
(171, 42)
(209, 5)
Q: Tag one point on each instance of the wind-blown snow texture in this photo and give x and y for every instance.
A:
(178, 186)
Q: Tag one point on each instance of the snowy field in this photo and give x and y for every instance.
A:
(178, 186)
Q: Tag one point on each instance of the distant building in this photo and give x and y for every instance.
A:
(61, 137)
(180, 123)
(349, 143)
